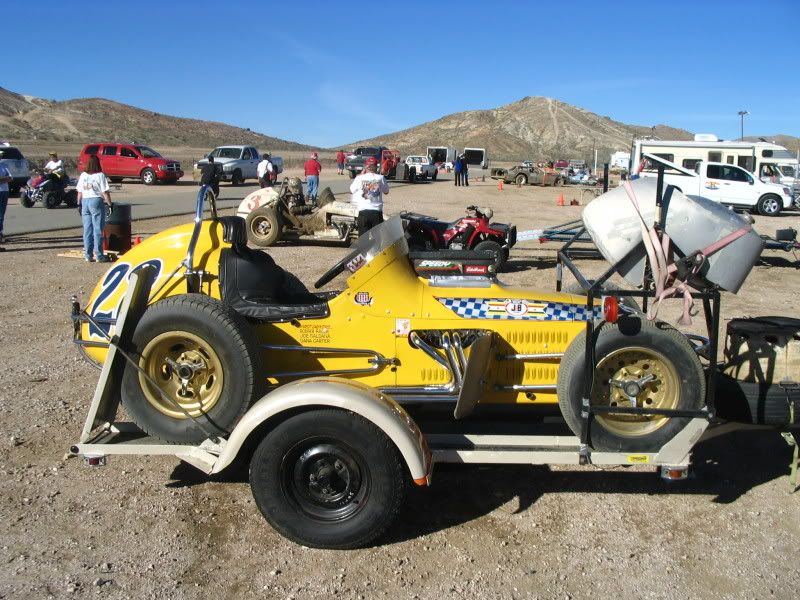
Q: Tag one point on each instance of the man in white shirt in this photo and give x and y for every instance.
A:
(264, 170)
(54, 166)
(368, 190)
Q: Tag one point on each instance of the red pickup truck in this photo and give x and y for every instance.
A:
(119, 161)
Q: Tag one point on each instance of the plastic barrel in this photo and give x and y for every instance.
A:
(117, 230)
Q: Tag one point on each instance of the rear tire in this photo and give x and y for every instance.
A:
(71, 198)
(626, 350)
(492, 246)
(236, 178)
(435, 175)
(328, 478)
(263, 227)
(221, 359)
(521, 179)
(51, 199)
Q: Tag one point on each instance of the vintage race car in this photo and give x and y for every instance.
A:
(224, 323)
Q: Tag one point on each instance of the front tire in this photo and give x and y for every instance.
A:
(25, 200)
(236, 178)
(204, 357)
(149, 177)
(769, 205)
(629, 350)
(263, 227)
(71, 198)
(435, 175)
(328, 478)
(521, 179)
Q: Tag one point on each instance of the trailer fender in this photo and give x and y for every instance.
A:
(352, 396)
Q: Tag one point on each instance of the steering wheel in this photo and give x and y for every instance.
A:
(335, 270)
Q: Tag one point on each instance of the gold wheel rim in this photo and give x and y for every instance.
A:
(663, 391)
(186, 369)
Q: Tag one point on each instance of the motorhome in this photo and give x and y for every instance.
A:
(441, 154)
(477, 157)
(707, 147)
(619, 160)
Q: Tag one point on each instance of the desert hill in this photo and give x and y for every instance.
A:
(97, 119)
(534, 127)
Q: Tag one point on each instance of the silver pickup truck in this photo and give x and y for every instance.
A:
(239, 163)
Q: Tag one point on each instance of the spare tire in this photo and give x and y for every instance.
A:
(205, 359)
(670, 376)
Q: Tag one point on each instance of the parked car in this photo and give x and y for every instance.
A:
(421, 167)
(239, 163)
(133, 161)
(17, 165)
(354, 163)
(533, 175)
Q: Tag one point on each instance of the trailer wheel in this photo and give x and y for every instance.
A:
(659, 362)
(205, 359)
(328, 478)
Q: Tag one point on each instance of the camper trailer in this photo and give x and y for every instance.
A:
(619, 160)
(707, 147)
(477, 157)
(441, 154)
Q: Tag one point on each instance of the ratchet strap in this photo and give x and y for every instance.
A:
(665, 269)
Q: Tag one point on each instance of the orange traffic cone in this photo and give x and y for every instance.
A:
(500, 184)
(560, 201)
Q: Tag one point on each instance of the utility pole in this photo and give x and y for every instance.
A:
(742, 114)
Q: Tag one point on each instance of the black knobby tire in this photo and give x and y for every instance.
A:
(71, 198)
(25, 201)
(521, 179)
(492, 246)
(609, 286)
(51, 199)
(769, 205)
(149, 177)
(236, 178)
(263, 226)
(662, 344)
(345, 505)
(171, 327)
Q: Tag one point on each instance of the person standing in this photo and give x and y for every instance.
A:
(92, 194)
(210, 174)
(340, 162)
(5, 179)
(264, 170)
(312, 169)
(464, 170)
(368, 190)
(457, 169)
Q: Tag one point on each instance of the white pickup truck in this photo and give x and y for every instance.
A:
(726, 184)
(422, 167)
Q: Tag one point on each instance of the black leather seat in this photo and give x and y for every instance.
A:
(257, 288)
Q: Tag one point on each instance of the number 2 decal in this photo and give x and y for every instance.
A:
(111, 282)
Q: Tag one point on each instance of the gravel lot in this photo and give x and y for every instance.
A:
(156, 528)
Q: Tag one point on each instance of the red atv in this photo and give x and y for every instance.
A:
(473, 232)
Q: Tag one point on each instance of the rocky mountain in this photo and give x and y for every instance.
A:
(787, 141)
(534, 127)
(97, 119)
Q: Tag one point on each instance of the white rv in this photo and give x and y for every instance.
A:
(477, 156)
(619, 160)
(706, 147)
(441, 154)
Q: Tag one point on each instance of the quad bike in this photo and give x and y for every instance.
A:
(284, 214)
(473, 232)
(50, 191)
(206, 325)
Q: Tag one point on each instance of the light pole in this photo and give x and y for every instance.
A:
(741, 114)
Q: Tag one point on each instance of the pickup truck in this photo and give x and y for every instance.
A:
(727, 184)
(421, 167)
(239, 163)
(354, 163)
(17, 165)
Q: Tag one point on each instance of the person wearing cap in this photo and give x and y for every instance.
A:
(264, 170)
(368, 190)
(312, 169)
(54, 169)
(340, 162)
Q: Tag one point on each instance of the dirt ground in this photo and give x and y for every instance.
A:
(156, 528)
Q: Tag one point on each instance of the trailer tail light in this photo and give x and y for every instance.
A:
(610, 309)
(674, 473)
(95, 460)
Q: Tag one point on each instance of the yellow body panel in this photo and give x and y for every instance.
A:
(381, 303)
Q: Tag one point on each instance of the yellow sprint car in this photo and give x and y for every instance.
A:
(224, 323)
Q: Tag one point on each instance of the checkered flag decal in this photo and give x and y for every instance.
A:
(485, 308)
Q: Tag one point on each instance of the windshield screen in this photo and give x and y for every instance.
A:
(375, 241)
(416, 159)
(148, 152)
(367, 151)
(10, 153)
(226, 153)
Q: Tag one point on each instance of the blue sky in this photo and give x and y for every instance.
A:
(328, 73)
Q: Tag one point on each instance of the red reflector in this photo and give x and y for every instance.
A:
(610, 309)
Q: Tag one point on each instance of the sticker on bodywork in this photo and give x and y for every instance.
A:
(519, 309)
(363, 299)
(402, 327)
(356, 263)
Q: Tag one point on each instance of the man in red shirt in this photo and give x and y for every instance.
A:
(340, 162)
(312, 169)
